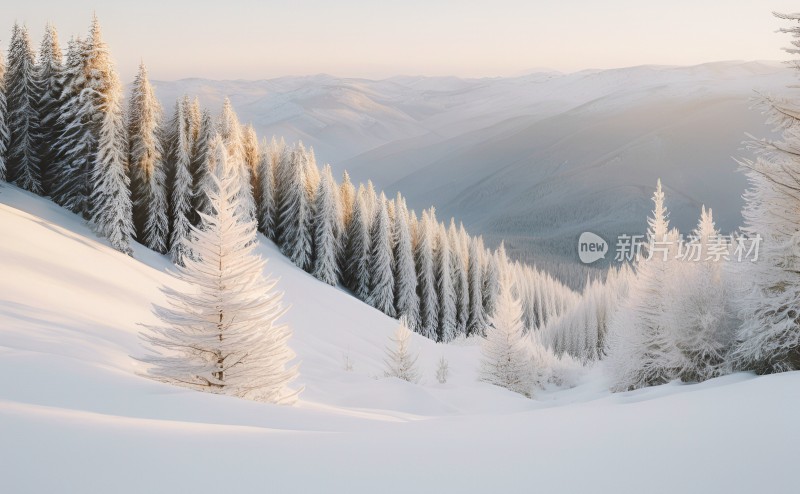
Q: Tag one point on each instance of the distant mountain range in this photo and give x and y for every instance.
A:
(536, 159)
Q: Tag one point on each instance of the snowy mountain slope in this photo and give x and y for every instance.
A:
(76, 417)
(570, 152)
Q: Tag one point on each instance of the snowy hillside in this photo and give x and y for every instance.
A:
(570, 152)
(75, 414)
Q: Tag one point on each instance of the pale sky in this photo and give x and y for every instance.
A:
(239, 39)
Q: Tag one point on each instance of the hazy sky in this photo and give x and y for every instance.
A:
(238, 39)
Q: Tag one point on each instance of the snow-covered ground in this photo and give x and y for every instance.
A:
(75, 416)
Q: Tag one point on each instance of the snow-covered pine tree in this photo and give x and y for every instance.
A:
(460, 267)
(22, 93)
(221, 334)
(347, 194)
(445, 289)
(356, 257)
(476, 325)
(49, 104)
(72, 187)
(231, 131)
(700, 320)
(181, 182)
(146, 165)
(641, 343)
(491, 282)
(326, 228)
(505, 360)
(112, 215)
(294, 211)
(200, 165)
(406, 300)
(265, 194)
(768, 339)
(426, 275)
(381, 278)
(4, 136)
(400, 361)
(251, 154)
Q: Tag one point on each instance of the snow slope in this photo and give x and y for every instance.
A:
(76, 417)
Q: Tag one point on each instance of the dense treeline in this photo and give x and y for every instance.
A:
(139, 175)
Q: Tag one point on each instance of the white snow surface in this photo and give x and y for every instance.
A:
(76, 416)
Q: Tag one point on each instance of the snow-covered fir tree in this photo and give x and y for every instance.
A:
(445, 289)
(22, 93)
(146, 165)
(200, 165)
(221, 333)
(4, 135)
(251, 154)
(232, 135)
(641, 344)
(768, 339)
(426, 276)
(347, 194)
(406, 300)
(460, 269)
(180, 181)
(381, 260)
(295, 211)
(356, 256)
(326, 229)
(265, 193)
(491, 282)
(701, 320)
(505, 360)
(400, 361)
(476, 324)
(50, 77)
(72, 186)
(112, 215)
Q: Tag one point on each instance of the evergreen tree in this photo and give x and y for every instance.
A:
(230, 130)
(265, 199)
(181, 183)
(112, 214)
(347, 193)
(400, 362)
(4, 135)
(252, 157)
(476, 325)
(200, 164)
(49, 104)
(76, 142)
(222, 335)
(357, 251)
(491, 280)
(294, 211)
(381, 279)
(641, 342)
(460, 266)
(326, 229)
(22, 93)
(448, 318)
(768, 339)
(442, 370)
(700, 318)
(505, 361)
(406, 301)
(426, 276)
(146, 165)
